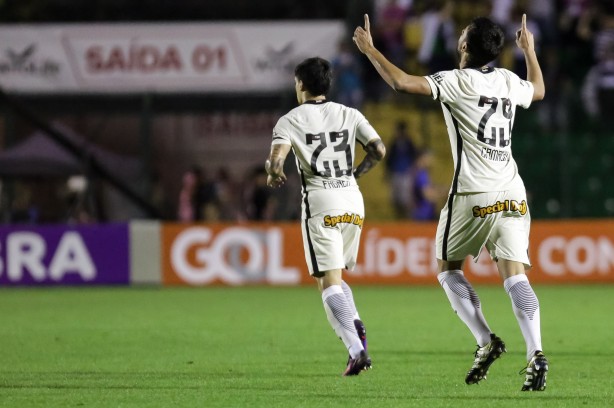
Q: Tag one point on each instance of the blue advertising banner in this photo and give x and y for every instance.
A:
(64, 255)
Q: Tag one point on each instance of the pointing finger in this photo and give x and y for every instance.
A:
(524, 22)
(367, 24)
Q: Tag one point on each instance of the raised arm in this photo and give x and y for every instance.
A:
(274, 165)
(395, 77)
(525, 41)
(375, 153)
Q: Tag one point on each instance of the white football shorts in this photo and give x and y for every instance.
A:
(499, 220)
(331, 241)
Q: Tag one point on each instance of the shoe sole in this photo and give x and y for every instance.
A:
(540, 372)
(362, 363)
(476, 377)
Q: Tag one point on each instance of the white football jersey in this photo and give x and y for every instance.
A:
(479, 107)
(323, 136)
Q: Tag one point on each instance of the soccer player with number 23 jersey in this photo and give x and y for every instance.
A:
(322, 135)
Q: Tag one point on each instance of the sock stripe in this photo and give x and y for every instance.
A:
(524, 298)
(339, 307)
(350, 298)
(461, 288)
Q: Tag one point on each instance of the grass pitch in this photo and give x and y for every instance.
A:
(272, 347)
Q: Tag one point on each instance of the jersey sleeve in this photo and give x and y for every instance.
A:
(365, 133)
(522, 90)
(281, 134)
(444, 86)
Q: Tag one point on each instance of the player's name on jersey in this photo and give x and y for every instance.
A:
(507, 205)
(335, 183)
(347, 218)
(495, 155)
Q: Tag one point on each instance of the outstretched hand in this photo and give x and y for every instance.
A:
(524, 38)
(362, 36)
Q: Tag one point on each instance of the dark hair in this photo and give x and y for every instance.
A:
(316, 75)
(485, 41)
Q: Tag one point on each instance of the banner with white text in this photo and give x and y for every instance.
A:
(272, 254)
(120, 58)
(399, 253)
(65, 255)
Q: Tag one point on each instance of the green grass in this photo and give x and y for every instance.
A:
(272, 347)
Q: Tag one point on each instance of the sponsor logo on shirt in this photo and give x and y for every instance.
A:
(495, 155)
(499, 206)
(335, 183)
(347, 218)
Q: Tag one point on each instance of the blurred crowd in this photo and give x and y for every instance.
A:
(575, 44)
(413, 194)
(574, 39)
(219, 197)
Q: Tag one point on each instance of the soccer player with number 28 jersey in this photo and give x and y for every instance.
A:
(487, 204)
(323, 135)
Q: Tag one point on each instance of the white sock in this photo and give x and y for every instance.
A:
(340, 317)
(526, 309)
(466, 304)
(350, 298)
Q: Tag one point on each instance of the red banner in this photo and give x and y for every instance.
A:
(390, 253)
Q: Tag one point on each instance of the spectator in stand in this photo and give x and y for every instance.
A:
(390, 22)
(501, 11)
(347, 83)
(402, 154)
(426, 195)
(225, 193)
(576, 54)
(259, 200)
(197, 197)
(439, 40)
(387, 34)
(186, 208)
(79, 200)
(595, 28)
(597, 25)
(598, 89)
(543, 12)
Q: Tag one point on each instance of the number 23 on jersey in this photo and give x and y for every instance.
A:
(323, 157)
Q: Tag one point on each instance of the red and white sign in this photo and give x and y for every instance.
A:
(207, 57)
